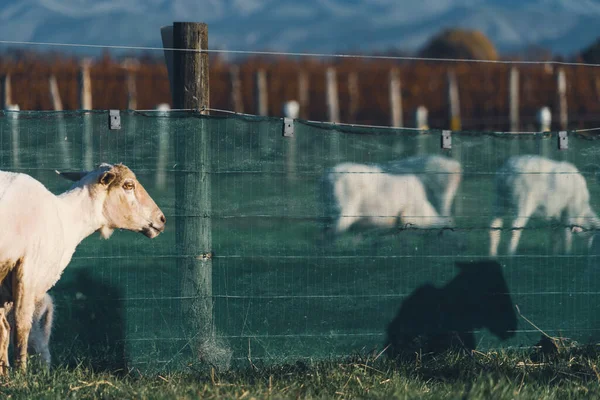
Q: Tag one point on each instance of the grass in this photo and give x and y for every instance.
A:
(570, 373)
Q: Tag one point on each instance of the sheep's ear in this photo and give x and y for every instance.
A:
(72, 176)
(107, 178)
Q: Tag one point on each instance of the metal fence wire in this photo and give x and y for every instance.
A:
(320, 246)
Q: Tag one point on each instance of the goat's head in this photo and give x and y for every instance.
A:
(125, 202)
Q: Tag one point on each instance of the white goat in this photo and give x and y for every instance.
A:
(529, 186)
(441, 177)
(358, 193)
(41, 232)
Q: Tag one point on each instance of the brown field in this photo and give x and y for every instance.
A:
(483, 88)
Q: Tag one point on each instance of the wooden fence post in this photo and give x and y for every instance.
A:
(454, 101)
(303, 94)
(421, 116)
(13, 117)
(193, 229)
(291, 109)
(62, 135)
(514, 99)
(163, 145)
(236, 89)
(544, 118)
(395, 99)
(562, 99)
(262, 99)
(131, 67)
(6, 91)
(353, 94)
(85, 103)
(333, 110)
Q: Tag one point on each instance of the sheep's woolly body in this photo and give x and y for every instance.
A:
(529, 186)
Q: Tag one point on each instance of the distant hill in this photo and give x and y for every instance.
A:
(563, 26)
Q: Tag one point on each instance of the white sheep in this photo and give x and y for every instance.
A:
(441, 177)
(531, 185)
(359, 193)
(41, 232)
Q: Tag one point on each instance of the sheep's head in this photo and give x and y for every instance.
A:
(125, 202)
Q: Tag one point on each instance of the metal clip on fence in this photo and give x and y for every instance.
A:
(288, 127)
(114, 119)
(446, 139)
(563, 140)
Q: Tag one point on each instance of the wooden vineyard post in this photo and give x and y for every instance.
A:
(193, 228)
(85, 104)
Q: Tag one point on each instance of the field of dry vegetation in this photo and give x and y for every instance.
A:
(483, 88)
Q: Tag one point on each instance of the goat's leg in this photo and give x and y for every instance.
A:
(4, 341)
(24, 306)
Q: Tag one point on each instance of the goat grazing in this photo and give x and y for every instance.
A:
(358, 193)
(41, 232)
(529, 186)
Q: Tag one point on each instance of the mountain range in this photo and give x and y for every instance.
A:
(562, 26)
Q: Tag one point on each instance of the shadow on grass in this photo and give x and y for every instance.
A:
(433, 320)
(89, 327)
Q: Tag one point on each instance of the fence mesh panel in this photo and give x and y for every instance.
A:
(283, 286)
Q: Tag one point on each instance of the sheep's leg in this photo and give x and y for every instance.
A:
(24, 306)
(4, 341)
(517, 229)
(495, 232)
(448, 198)
(568, 240)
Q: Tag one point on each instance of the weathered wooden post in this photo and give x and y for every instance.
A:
(61, 136)
(236, 89)
(13, 117)
(544, 118)
(421, 116)
(395, 99)
(6, 91)
(561, 83)
(193, 229)
(513, 100)
(303, 93)
(163, 145)
(131, 67)
(291, 109)
(454, 101)
(85, 104)
(262, 99)
(333, 109)
(353, 94)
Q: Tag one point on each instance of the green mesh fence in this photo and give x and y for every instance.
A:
(276, 285)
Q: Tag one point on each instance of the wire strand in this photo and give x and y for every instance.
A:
(299, 54)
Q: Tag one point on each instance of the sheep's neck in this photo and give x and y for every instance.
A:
(82, 215)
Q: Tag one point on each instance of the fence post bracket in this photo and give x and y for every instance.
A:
(288, 127)
(446, 139)
(114, 119)
(563, 140)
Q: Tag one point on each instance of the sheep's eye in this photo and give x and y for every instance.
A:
(128, 186)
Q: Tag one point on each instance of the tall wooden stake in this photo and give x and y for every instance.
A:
(333, 110)
(85, 103)
(514, 99)
(395, 99)
(262, 100)
(6, 91)
(562, 99)
(236, 89)
(303, 94)
(62, 136)
(193, 193)
(353, 94)
(454, 101)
